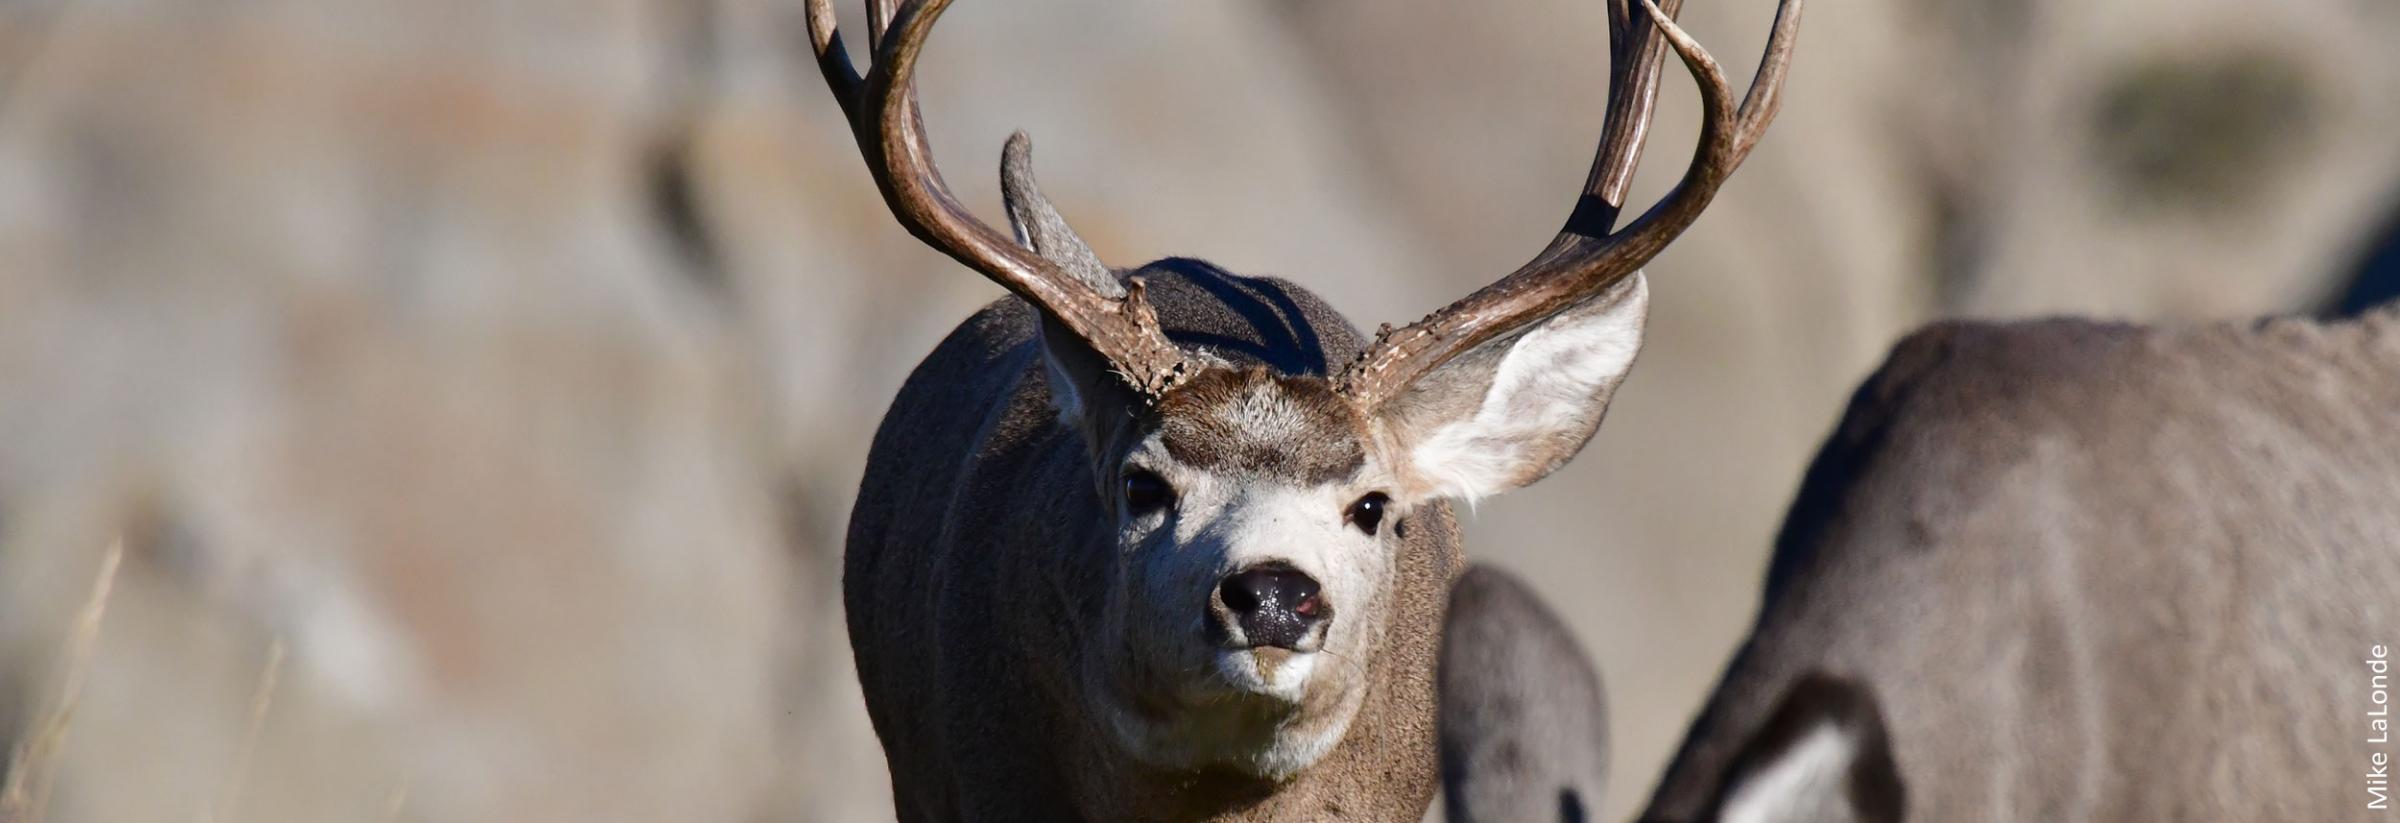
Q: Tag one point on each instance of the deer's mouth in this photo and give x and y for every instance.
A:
(1265, 711)
(1283, 675)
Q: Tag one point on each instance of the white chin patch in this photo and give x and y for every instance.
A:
(1247, 716)
(1281, 676)
(1275, 673)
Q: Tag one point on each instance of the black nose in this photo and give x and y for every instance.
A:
(1276, 605)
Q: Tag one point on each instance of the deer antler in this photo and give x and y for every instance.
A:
(882, 110)
(1586, 257)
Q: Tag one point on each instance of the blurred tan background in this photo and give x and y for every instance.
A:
(478, 389)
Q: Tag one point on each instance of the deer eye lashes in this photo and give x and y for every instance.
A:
(1367, 512)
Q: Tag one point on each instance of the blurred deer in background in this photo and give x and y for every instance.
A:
(1525, 729)
(2093, 572)
(1130, 547)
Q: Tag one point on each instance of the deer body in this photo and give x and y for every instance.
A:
(2097, 572)
(943, 553)
(2080, 572)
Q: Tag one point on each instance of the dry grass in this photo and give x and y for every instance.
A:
(261, 698)
(33, 761)
(33, 764)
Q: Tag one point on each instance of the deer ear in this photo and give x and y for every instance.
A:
(1509, 412)
(1080, 379)
(1824, 758)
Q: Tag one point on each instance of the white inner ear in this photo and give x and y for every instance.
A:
(1544, 396)
(1808, 783)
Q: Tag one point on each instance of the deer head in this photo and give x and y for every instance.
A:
(1258, 514)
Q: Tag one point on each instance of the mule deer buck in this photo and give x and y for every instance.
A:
(1131, 547)
(2091, 572)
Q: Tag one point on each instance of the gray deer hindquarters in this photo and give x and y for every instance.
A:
(1824, 757)
(2049, 544)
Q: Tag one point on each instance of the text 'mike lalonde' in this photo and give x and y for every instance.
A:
(2379, 727)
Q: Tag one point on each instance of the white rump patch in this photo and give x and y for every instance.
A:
(1807, 783)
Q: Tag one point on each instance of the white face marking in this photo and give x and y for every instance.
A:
(1268, 711)
(1806, 784)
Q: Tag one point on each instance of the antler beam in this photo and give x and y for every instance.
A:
(881, 107)
(1587, 257)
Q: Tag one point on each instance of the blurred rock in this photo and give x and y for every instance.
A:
(356, 323)
(2150, 159)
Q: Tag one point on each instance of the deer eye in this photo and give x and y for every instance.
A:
(1146, 492)
(1367, 513)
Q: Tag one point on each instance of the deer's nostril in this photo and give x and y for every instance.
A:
(1240, 593)
(1276, 605)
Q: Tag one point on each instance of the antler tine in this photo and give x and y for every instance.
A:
(884, 118)
(832, 59)
(1766, 87)
(1727, 133)
(1633, 72)
(1586, 258)
(879, 18)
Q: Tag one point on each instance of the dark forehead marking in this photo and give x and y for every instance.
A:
(1253, 420)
